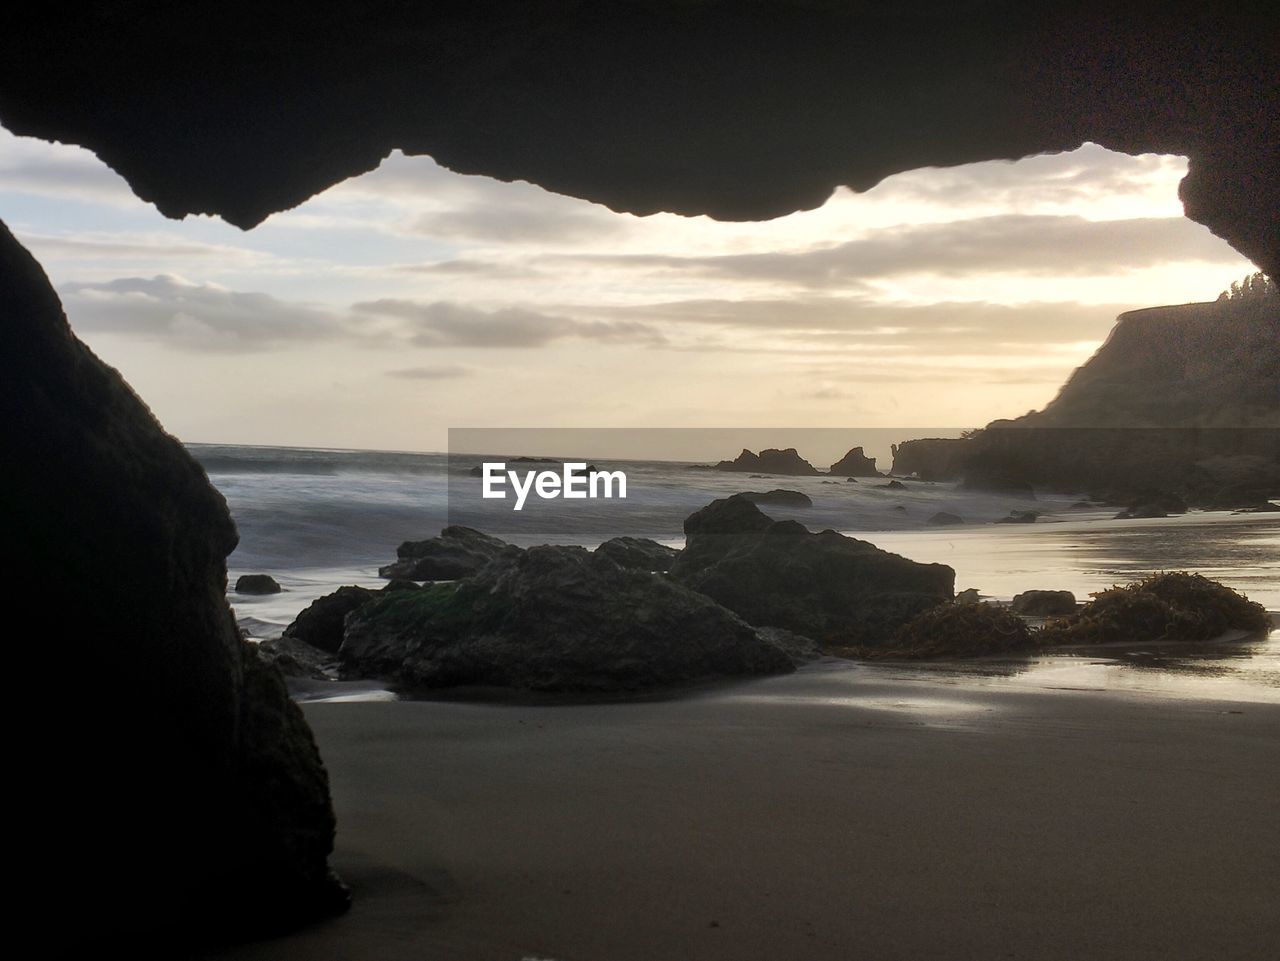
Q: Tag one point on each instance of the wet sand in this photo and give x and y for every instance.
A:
(843, 812)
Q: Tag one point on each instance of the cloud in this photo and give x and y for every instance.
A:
(448, 324)
(33, 166)
(522, 222)
(468, 268)
(1073, 178)
(457, 207)
(136, 246)
(819, 323)
(198, 316)
(193, 316)
(432, 372)
(1012, 243)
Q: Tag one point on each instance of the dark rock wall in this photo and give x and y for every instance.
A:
(1171, 390)
(931, 458)
(737, 110)
(171, 782)
(1194, 365)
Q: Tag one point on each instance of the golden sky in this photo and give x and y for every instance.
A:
(412, 299)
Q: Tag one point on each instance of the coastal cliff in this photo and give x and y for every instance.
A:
(1184, 397)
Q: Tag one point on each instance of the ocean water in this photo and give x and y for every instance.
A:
(318, 519)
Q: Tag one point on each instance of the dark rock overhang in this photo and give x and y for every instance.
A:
(740, 110)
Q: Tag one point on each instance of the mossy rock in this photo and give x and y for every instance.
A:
(958, 630)
(1173, 606)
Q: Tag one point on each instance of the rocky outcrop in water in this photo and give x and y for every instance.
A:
(778, 498)
(553, 619)
(1019, 517)
(257, 584)
(931, 458)
(456, 552)
(771, 461)
(835, 589)
(320, 623)
(171, 766)
(855, 464)
(1043, 603)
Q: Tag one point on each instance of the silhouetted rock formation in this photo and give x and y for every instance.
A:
(526, 463)
(456, 552)
(320, 623)
(772, 461)
(586, 107)
(553, 619)
(170, 766)
(1019, 517)
(778, 498)
(855, 464)
(1043, 603)
(1183, 399)
(835, 589)
(295, 658)
(257, 584)
(945, 518)
(638, 553)
(931, 458)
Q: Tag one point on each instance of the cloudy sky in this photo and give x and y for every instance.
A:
(412, 299)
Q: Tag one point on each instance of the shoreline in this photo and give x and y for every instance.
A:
(826, 814)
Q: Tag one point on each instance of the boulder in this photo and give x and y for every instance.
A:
(553, 619)
(944, 518)
(1019, 517)
(801, 649)
(176, 791)
(835, 589)
(638, 553)
(1043, 603)
(778, 498)
(295, 658)
(1145, 511)
(855, 464)
(893, 485)
(959, 630)
(320, 623)
(257, 584)
(771, 461)
(456, 552)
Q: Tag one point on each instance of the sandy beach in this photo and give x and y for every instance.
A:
(841, 812)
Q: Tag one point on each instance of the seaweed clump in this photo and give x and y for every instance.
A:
(1172, 606)
(958, 630)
